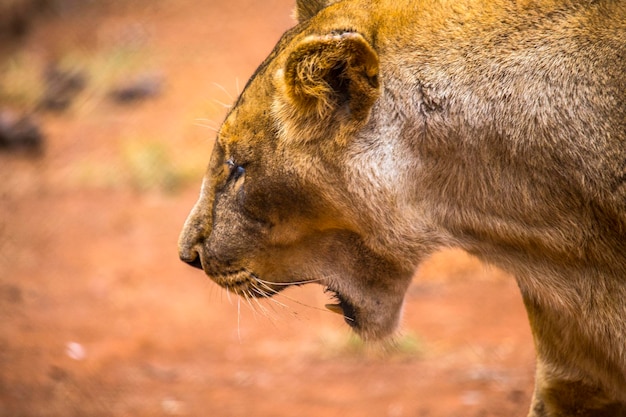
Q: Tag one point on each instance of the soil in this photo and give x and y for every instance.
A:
(100, 318)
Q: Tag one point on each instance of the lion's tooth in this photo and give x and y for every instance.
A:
(335, 308)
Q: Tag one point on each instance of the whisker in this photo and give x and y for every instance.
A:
(230, 301)
(204, 119)
(268, 295)
(198, 122)
(304, 304)
(277, 293)
(273, 292)
(211, 128)
(239, 319)
(272, 303)
(256, 307)
(244, 295)
(221, 87)
(264, 310)
(262, 291)
(237, 85)
(226, 106)
(251, 297)
(268, 291)
(286, 284)
(280, 294)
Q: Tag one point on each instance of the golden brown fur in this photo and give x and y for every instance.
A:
(379, 131)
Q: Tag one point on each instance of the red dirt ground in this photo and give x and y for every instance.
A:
(100, 318)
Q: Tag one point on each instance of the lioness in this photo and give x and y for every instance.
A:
(379, 131)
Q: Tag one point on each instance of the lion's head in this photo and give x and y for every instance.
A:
(378, 131)
(297, 189)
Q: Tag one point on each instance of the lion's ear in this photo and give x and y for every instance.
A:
(333, 73)
(306, 9)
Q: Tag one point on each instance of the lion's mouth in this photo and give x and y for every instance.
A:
(246, 283)
(240, 281)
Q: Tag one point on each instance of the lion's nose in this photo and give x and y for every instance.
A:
(190, 257)
(190, 240)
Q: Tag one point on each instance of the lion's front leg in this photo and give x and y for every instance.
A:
(571, 379)
(557, 397)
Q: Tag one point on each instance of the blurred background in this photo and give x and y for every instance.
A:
(107, 117)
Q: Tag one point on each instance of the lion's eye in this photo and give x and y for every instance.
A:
(235, 171)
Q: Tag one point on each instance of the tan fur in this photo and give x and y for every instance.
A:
(379, 131)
